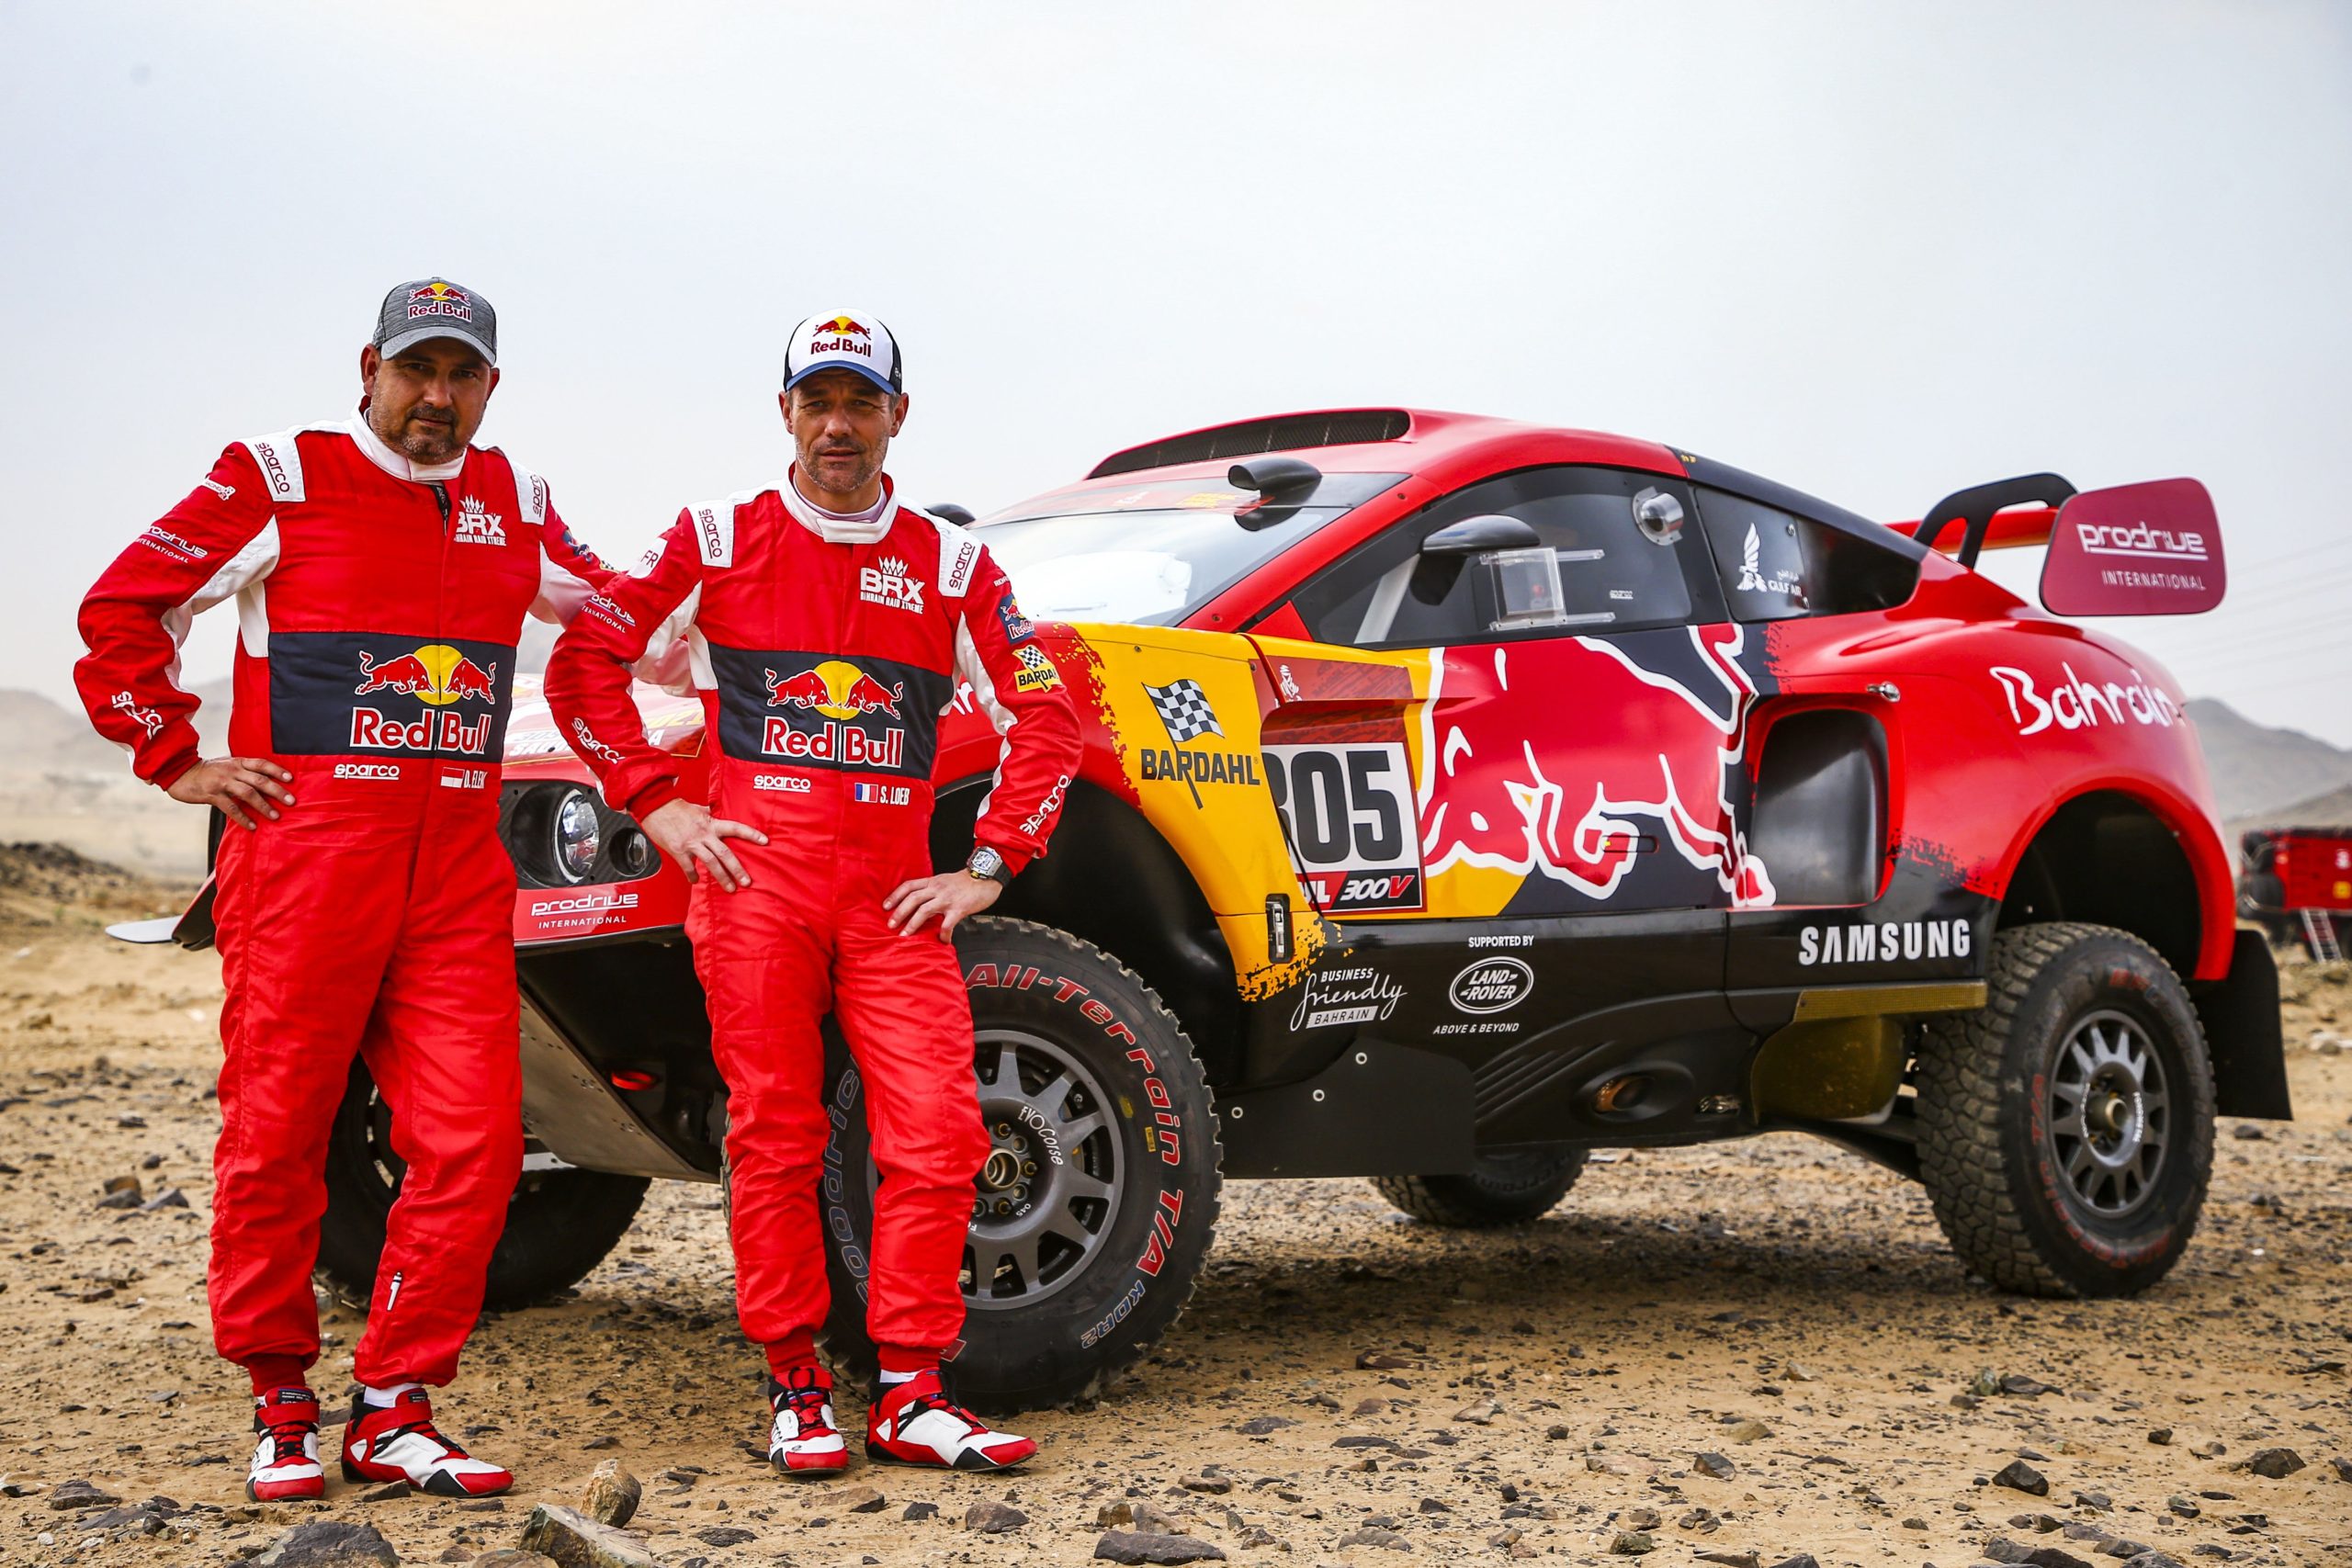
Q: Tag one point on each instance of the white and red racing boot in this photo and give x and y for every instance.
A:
(914, 1422)
(803, 1441)
(397, 1442)
(285, 1460)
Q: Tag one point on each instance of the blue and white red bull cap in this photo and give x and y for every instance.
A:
(846, 340)
(435, 307)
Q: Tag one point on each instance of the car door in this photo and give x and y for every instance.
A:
(1579, 747)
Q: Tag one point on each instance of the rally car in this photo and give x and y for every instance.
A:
(2296, 884)
(1459, 796)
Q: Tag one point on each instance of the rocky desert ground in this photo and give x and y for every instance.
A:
(1741, 1355)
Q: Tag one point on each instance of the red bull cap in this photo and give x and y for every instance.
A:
(435, 307)
(844, 340)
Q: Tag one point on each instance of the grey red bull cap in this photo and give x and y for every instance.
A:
(435, 307)
(848, 340)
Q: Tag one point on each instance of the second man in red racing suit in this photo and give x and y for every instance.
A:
(828, 627)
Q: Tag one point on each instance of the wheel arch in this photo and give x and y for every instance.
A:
(2114, 855)
(1111, 879)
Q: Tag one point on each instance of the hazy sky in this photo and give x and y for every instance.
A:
(1876, 252)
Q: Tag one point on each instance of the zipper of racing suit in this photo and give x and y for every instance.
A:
(441, 588)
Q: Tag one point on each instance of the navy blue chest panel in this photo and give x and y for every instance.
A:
(389, 694)
(821, 710)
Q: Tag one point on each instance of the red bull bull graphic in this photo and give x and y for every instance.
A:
(842, 693)
(1569, 761)
(845, 326)
(440, 300)
(441, 677)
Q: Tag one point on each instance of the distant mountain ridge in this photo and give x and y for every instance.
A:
(2258, 770)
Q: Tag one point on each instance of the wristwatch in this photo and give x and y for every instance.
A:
(988, 866)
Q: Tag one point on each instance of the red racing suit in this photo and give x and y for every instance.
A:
(824, 664)
(379, 604)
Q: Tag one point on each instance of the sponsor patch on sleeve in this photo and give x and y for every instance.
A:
(1036, 672)
(1017, 629)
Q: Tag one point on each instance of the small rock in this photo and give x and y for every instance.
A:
(856, 1500)
(510, 1557)
(2160, 1436)
(1555, 1433)
(994, 1518)
(1482, 1413)
(724, 1535)
(170, 1198)
(575, 1540)
(389, 1491)
(81, 1495)
(2248, 1131)
(1732, 1559)
(1713, 1464)
(1370, 1407)
(2343, 1467)
(1259, 1426)
(918, 1512)
(2275, 1465)
(1127, 1546)
(606, 1441)
(1214, 1486)
(1374, 1535)
(1632, 1543)
(2152, 1559)
(2019, 1476)
(1747, 1432)
(613, 1495)
(1801, 1560)
(122, 1192)
(329, 1543)
(1381, 1361)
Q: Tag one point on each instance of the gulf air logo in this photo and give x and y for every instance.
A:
(436, 673)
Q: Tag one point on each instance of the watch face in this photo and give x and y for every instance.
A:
(988, 862)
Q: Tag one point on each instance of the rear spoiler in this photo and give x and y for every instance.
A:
(2152, 548)
(1986, 520)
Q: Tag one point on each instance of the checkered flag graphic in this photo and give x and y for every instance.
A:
(1184, 710)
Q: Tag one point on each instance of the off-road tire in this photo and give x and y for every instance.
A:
(560, 1224)
(1988, 1155)
(1500, 1190)
(1114, 1301)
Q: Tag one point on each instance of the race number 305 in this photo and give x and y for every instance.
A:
(1348, 812)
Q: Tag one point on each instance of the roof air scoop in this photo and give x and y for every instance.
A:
(1282, 485)
(1278, 481)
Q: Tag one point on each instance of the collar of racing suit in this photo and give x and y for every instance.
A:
(864, 527)
(395, 462)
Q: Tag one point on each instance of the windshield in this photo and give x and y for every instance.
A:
(1151, 554)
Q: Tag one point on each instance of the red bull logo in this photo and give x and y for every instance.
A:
(845, 326)
(842, 693)
(1572, 765)
(440, 300)
(436, 673)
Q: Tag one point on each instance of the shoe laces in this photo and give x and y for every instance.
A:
(806, 1401)
(286, 1435)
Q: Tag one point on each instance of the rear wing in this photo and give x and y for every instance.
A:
(2152, 548)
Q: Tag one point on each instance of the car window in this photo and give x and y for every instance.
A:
(1777, 566)
(1593, 567)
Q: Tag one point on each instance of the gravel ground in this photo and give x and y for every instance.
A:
(1760, 1349)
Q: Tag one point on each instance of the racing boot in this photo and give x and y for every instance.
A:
(914, 1422)
(285, 1460)
(397, 1442)
(803, 1441)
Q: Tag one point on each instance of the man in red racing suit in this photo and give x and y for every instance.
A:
(828, 626)
(381, 568)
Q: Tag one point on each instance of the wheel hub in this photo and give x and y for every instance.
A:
(1049, 1188)
(2108, 1113)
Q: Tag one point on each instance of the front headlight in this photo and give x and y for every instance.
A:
(578, 836)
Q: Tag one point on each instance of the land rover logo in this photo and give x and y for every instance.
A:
(1492, 985)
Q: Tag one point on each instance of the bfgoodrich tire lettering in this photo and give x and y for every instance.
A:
(560, 1224)
(2066, 1127)
(1501, 1189)
(1095, 1086)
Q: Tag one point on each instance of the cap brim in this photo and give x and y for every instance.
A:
(877, 377)
(410, 338)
